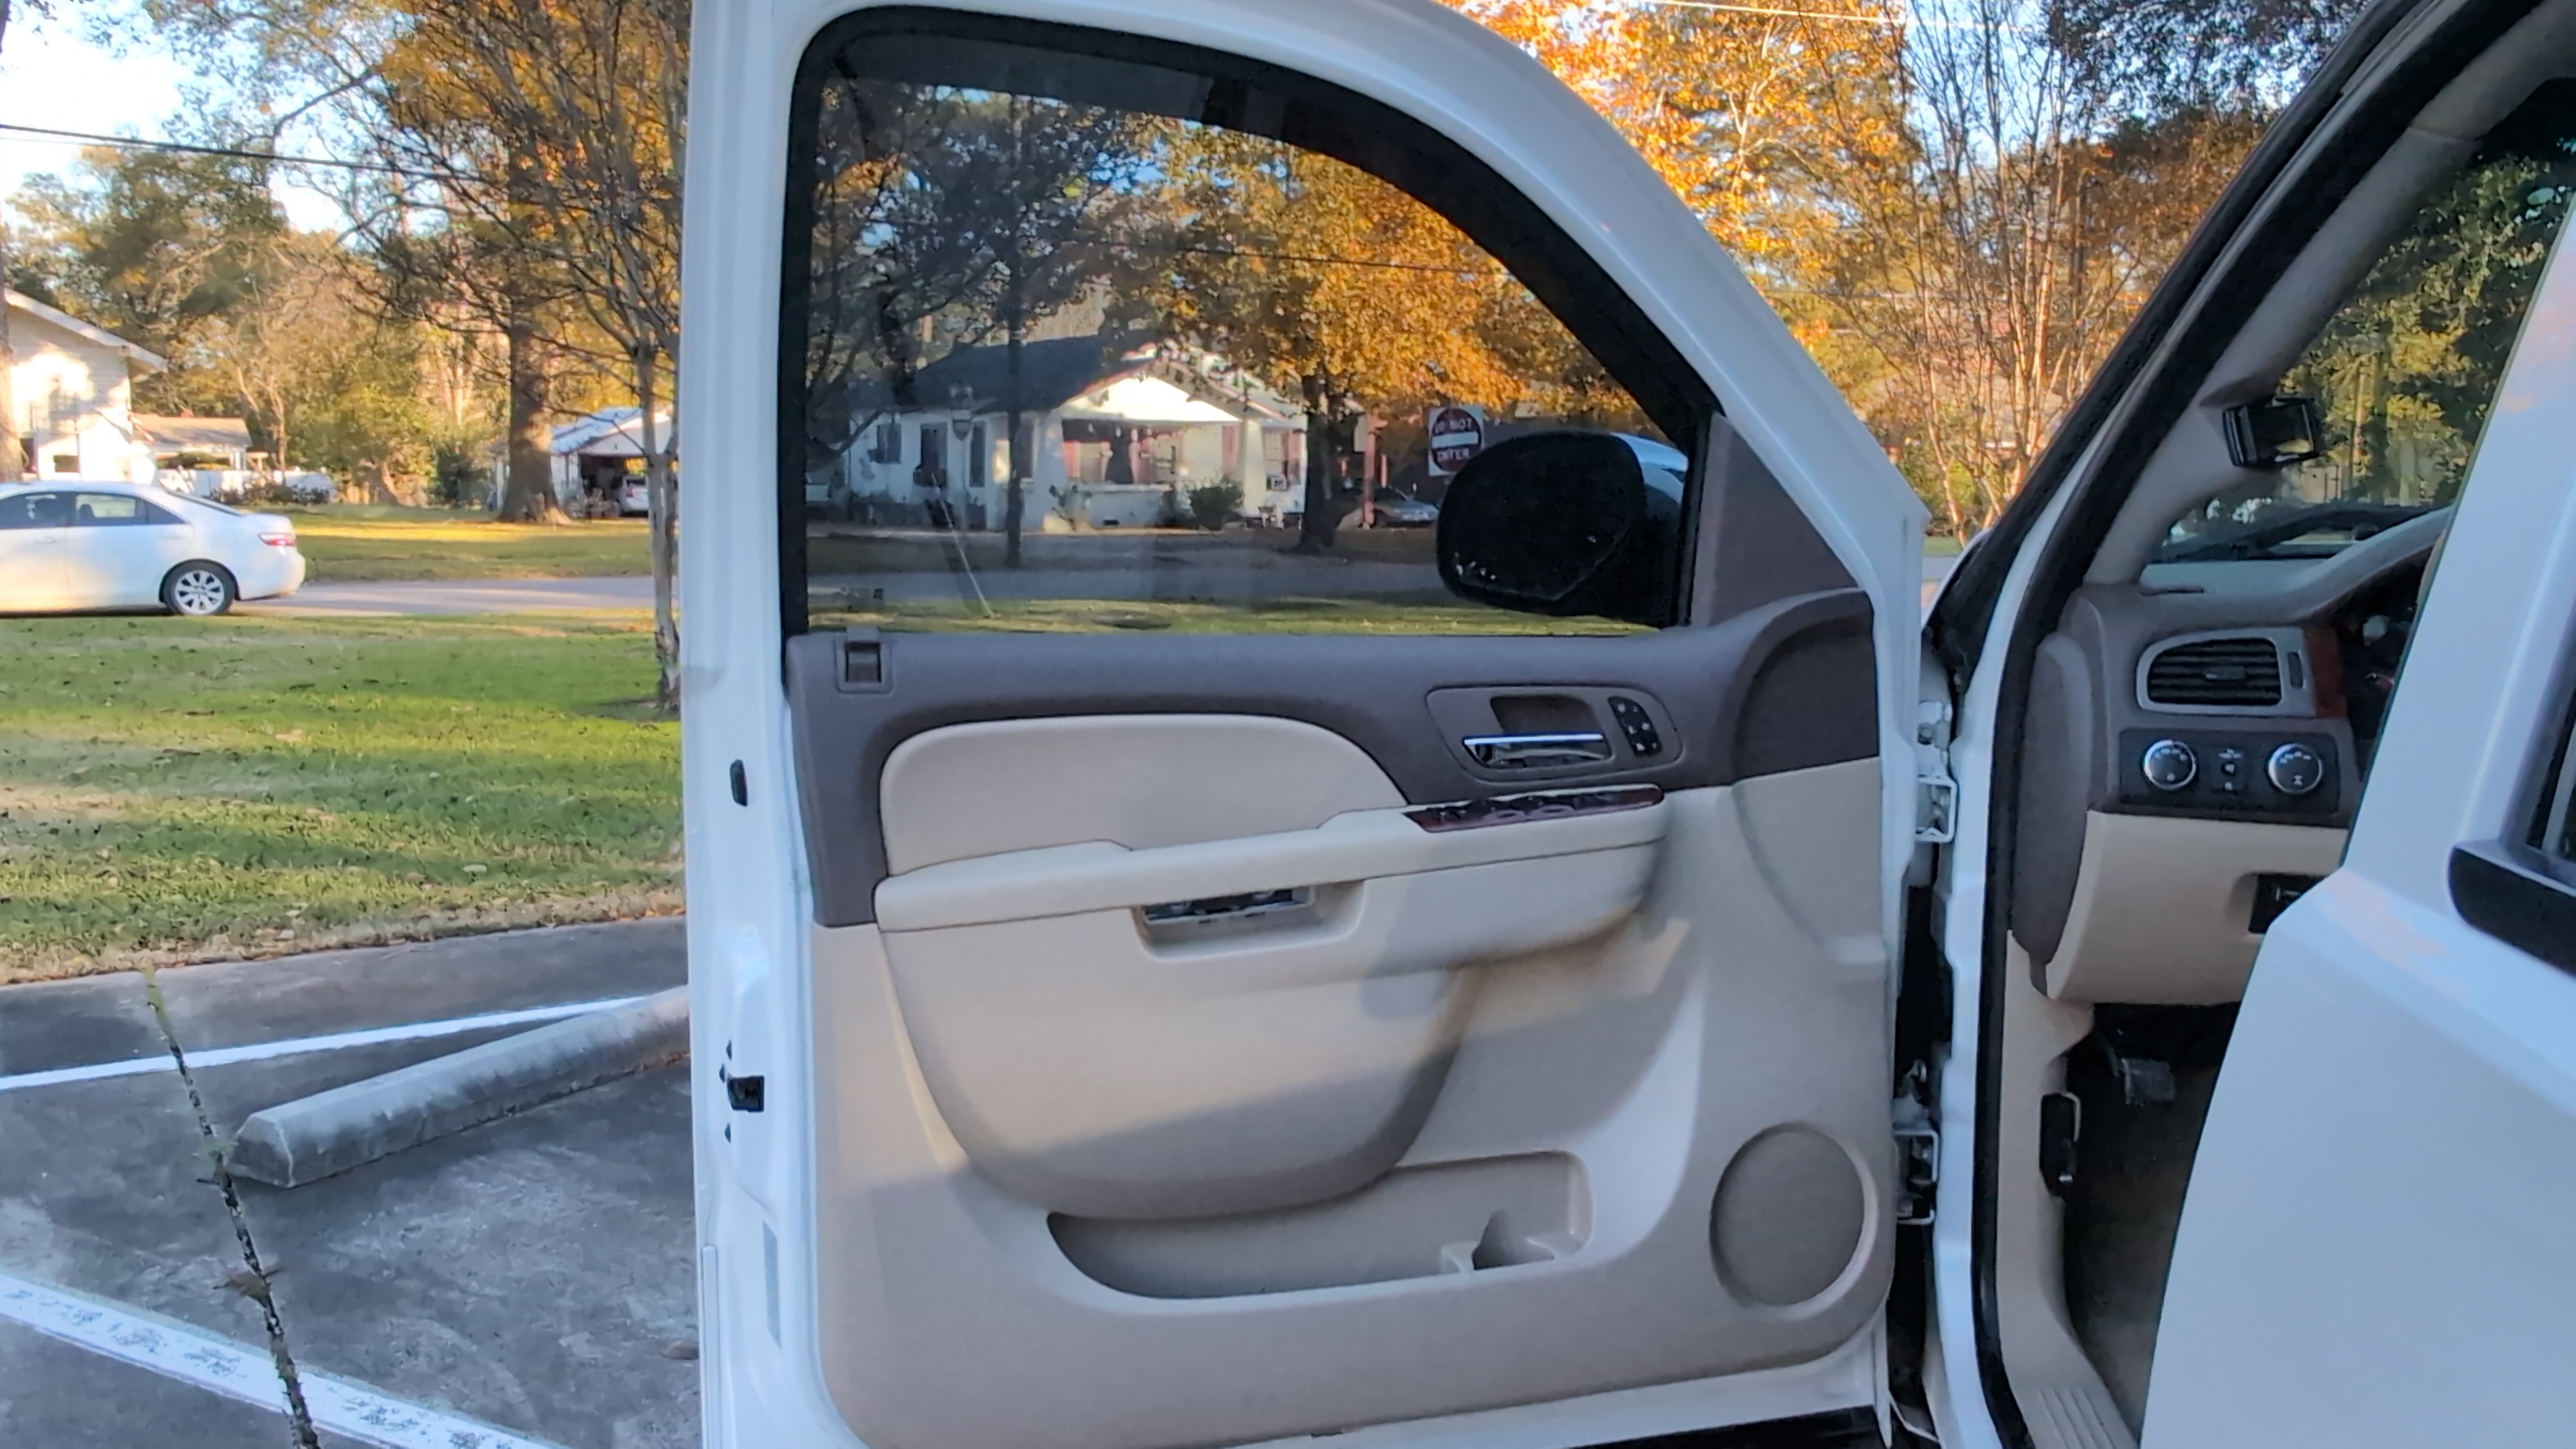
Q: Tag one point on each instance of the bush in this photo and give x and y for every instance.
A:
(1213, 504)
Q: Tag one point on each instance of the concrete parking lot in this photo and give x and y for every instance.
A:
(523, 1283)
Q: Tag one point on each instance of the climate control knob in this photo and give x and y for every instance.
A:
(2170, 765)
(2295, 769)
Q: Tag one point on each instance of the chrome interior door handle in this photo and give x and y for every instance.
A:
(1537, 752)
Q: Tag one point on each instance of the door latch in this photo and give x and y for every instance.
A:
(1936, 794)
(744, 1094)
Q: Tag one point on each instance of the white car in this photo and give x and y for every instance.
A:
(1344, 1025)
(67, 544)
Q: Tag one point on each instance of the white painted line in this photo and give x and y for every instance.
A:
(298, 1046)
(191, 1355)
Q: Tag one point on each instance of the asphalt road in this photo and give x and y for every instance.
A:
(537, 596)
(532, 1275)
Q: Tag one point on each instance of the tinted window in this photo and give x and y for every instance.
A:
(35, 510)
(1155, 331)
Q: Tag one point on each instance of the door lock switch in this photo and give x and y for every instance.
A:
(1636, 726)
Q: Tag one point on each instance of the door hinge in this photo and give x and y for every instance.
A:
(1918, 1148)
(1936, 794)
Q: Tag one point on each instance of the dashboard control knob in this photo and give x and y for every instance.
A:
(2295, 769)
(2170, 765)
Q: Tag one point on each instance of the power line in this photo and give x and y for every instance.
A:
(133, 143)
(1889, 22)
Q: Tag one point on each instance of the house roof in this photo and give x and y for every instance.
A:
(1052, 373)
(140, 356)
(612, 427)
(211, 435)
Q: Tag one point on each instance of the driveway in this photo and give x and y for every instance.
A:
(524, 1285)
(538, 596)
(481, 596)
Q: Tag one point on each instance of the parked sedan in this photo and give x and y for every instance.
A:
(68, 545)
(1402, 510)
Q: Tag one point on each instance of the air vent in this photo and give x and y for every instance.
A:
(2242, 673)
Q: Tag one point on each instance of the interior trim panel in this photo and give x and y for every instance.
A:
(1786, 686)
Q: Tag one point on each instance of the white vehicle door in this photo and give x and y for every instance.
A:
(35, 533)
(118, 549)
(1179, 990)
(2374, 1251)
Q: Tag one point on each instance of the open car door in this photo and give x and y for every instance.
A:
(1161, 985)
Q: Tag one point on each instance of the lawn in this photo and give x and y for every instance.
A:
(176, 790)
(351, 543)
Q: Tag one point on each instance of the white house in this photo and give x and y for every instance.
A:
(1116, 433)
(73, 388)
(595, 454)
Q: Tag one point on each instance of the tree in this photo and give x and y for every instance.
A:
(1333, 287)
(324, 380)
(12, 449)
(553, 132)
(150, 246)
(942, 220)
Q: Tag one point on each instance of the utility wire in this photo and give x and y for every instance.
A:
(132, 143)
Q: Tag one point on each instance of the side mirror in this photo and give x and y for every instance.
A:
(1567, 523)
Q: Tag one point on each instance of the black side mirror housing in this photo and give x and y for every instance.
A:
(1565, 523)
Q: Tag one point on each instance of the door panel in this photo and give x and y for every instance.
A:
(35, 537)
(1787, 685)
(1265, 1205)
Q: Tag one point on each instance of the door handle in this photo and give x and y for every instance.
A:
(1537, 752)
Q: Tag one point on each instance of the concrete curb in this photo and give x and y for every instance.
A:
(330, 1132)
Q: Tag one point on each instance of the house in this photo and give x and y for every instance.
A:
(1117, 429)
(190, 442)
(73, 389)
(593, 455)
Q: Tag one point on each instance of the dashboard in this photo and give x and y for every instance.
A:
(2194, 751)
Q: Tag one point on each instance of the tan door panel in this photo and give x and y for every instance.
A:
(2164, 906)
(1094, 1062)
(985, 789)
(1567, 1124)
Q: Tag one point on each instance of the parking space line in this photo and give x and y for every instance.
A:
(297, 1046)
(191, 1355)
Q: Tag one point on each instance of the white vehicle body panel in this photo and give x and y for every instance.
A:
(95, 566)
(2375, 1248)
(750, 905)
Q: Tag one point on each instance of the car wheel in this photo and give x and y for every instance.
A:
(198, 589)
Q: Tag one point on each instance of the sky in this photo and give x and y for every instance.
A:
(51, 76)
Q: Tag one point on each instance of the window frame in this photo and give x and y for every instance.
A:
(2521, 889)
(1262, 99)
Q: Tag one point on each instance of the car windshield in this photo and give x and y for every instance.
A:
(2406, 370)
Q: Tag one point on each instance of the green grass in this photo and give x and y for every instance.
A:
(175, 790)
(354, 543)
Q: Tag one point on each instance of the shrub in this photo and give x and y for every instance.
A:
(1212, 504)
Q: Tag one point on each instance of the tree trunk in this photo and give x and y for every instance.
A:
(1323, 517)
(527, 484)
(12, 451)
(1015, 489)
(661, 510)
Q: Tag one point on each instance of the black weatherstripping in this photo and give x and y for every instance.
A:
(2181, 334)
(2511, 893)
(1785, 687)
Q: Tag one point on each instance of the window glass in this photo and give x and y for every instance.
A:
(1087, 346)
(116, 510)
(35, 510)
(2407, 369)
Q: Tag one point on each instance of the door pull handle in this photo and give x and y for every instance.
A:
(1537, 752)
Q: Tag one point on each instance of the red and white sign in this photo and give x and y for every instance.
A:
(1457, 434)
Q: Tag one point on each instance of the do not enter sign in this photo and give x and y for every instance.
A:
(1457, 434)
